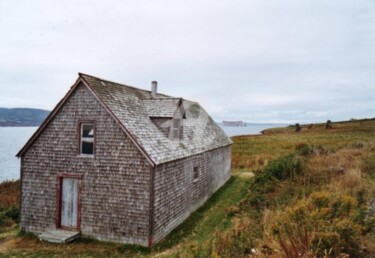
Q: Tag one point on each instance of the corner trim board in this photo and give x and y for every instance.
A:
(151, 208)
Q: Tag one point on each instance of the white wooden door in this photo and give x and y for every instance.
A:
(69, 203)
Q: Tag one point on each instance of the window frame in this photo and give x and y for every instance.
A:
(80, 138)
(196, 173)
(176, 129)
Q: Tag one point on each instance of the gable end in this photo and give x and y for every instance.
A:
(62, 102)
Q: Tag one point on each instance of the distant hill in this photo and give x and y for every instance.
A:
(22, 116)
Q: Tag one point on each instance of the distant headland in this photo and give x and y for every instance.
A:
(234, 123)
(22, 116)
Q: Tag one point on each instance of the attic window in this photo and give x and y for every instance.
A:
(176, 128)
(87, 139)
(195, 174)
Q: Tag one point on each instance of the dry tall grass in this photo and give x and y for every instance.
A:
(9, 194)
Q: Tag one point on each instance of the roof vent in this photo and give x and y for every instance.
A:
(154, 88)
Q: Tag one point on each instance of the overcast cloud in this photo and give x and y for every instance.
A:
(259, 61)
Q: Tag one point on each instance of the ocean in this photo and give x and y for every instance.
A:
(12, 140)
(249, 129)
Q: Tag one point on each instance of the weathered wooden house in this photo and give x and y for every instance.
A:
(120, 164)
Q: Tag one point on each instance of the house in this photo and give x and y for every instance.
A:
(120, 164)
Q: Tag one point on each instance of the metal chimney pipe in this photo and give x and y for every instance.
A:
(154, 88)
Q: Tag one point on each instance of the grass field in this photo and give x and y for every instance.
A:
(309, 197)
(255, 151)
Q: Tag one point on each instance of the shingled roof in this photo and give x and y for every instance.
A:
(133, 109)
(161, 107)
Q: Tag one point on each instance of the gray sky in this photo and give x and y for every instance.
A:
(255, 60)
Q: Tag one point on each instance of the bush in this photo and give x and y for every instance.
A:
(329, 124)
(5, 221)
(13, 213)
(284, 168)
(306, 150)
(323, 223)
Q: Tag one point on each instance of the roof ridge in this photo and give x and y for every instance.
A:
(164, 98)
(124, 85)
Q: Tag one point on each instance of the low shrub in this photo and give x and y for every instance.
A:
(329, 124)
(283, 168)
(287, 167)
(306, 150)
(9, 217)
(5, 221)
(325, 224)
(13, 213)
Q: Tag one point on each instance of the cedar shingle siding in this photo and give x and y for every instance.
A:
(134, 190)
(177, 194)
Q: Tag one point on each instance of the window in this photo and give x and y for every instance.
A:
(176, 128)
(195, 173)
(87, 139)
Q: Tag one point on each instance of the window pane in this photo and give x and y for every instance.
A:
(87, 147)
(175, 134)
(87, 131)
(196, 172)
(176, 123)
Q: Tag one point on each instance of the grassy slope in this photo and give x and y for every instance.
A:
(213, 226)
(253, 152)
(340, 168)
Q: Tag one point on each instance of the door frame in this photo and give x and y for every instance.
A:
(60, 178)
